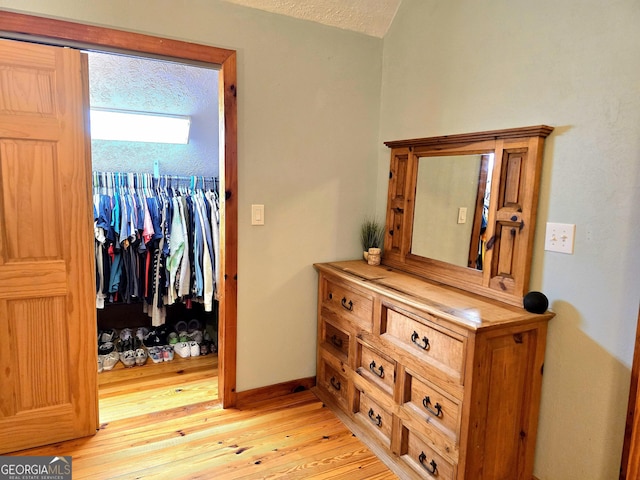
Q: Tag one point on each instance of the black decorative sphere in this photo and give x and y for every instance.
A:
(535, 302)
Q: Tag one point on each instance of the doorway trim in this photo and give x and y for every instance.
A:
(65, 33)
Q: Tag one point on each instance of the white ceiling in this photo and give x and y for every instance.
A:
(371, 17)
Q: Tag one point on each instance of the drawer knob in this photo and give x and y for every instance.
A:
(347, 306)
(423, 344)
(426, 402)
(334, 383)
(377, 419)
(337, 342)
(432, 467)
(379, 371)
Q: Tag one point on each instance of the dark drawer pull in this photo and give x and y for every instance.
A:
(426, 402)
(347, 306)
(335, 384)
(432, 467)
(377, 419)
(423, 344)
(337, 342)
(379, 372)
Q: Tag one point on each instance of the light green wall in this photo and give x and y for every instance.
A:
(308, 110)
(463, 66)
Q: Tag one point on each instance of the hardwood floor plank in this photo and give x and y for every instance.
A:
(232, 458)
(214, 440)
(357, 469)
(169, 396)
(305, 461)
(187, 437)
(121, 376)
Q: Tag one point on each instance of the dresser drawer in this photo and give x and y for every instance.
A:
(370, 414)
(335, 340)
(418, 454)
(335, 382)
(348, 304)
(426, 341)
(432, 406)
(376, 367)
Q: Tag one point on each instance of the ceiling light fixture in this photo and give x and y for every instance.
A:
(129, 126)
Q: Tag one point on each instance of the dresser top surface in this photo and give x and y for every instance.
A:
(466, 309)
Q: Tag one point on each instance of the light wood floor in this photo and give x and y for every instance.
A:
(158, 421)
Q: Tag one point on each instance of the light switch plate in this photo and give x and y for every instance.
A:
(257, 214)
(462, 215)
(560, 237)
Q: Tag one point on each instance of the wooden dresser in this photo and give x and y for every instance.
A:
(438, 382)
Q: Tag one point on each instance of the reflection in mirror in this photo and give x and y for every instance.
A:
(451, 205)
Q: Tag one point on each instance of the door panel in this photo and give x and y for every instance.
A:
(48, 380)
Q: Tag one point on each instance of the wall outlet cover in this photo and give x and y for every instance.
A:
(560, 237)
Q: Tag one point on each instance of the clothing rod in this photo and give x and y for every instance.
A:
(166, 180)
(173, 177)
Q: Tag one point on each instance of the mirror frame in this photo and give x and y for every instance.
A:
(512, 209)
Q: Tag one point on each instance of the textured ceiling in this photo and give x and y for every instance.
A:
(371, 17)
(147, 85)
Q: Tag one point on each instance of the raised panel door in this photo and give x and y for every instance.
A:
(47, 313)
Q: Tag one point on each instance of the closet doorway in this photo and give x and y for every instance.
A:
(156, 202)
(31, 29)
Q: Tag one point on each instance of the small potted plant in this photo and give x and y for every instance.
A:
(372, 237)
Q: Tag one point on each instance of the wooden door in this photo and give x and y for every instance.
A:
(630, 466)
(48, 344)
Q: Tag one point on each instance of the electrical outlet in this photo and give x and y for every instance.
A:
(560, 237)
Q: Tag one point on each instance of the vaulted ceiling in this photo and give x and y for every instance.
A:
(371, 17)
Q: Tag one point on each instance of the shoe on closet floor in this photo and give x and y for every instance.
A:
(128, 358)
(156, 354)
(110, 360)
(105, 336)
(141, 356)
(194, 324)
(196, 336)
(100, 364)
(194, 349)
(167, 353)
(152, 340)
(141, 333)
(183, 336)
(182, 349)
(181, 326)
(125, 334)
(172, 338)
(106, 348)
(125, 345)
(162, 331)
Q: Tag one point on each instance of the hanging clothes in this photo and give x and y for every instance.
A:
(156, 241)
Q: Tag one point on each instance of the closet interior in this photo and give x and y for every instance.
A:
(156, 217)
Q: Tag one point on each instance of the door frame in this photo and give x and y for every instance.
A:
(64, 33)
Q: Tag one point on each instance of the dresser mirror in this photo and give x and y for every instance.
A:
(461, 209)
(451, 208)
